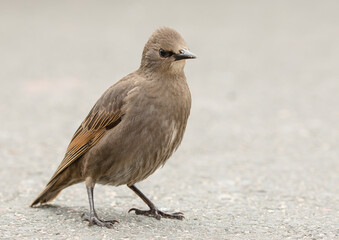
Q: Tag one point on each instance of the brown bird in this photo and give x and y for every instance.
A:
(132, 129)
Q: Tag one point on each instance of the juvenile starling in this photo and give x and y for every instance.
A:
(133, 128)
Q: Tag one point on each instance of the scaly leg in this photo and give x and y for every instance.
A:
(93, 218)
(153, 212)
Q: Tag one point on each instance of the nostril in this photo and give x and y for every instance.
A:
(181, 51)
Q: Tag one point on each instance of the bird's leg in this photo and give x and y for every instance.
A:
(93, 218)
(153, 212)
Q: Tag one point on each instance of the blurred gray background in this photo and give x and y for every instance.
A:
(260, 156)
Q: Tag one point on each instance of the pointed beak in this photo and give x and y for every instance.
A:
(184, 54)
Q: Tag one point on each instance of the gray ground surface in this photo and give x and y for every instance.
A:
(260, 155)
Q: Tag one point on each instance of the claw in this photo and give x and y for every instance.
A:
(132, 209)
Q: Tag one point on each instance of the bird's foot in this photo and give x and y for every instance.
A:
(158, 214)
(94, 220)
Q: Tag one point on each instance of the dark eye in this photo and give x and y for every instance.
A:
(164, 53)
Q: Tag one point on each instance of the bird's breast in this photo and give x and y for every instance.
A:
(153, 125)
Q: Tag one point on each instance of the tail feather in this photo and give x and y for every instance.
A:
(69, 176)
(48, 194)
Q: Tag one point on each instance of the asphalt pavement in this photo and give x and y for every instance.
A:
(260, 157)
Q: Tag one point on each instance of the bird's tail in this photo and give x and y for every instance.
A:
(58, 182)
(50, 192)
(55, 186)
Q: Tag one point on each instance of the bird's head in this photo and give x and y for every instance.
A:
(165, 51)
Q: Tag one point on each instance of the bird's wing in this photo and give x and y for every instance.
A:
(105, 115)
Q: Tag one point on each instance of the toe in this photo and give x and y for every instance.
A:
(94, 220)
(176, 215)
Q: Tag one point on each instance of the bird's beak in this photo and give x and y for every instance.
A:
(184, 54)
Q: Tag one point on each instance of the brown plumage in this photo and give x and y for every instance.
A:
(132, 129)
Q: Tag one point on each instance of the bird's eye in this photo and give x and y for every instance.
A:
(164, 53)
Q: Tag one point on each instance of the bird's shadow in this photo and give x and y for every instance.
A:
(75, 213)
(66, 211)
